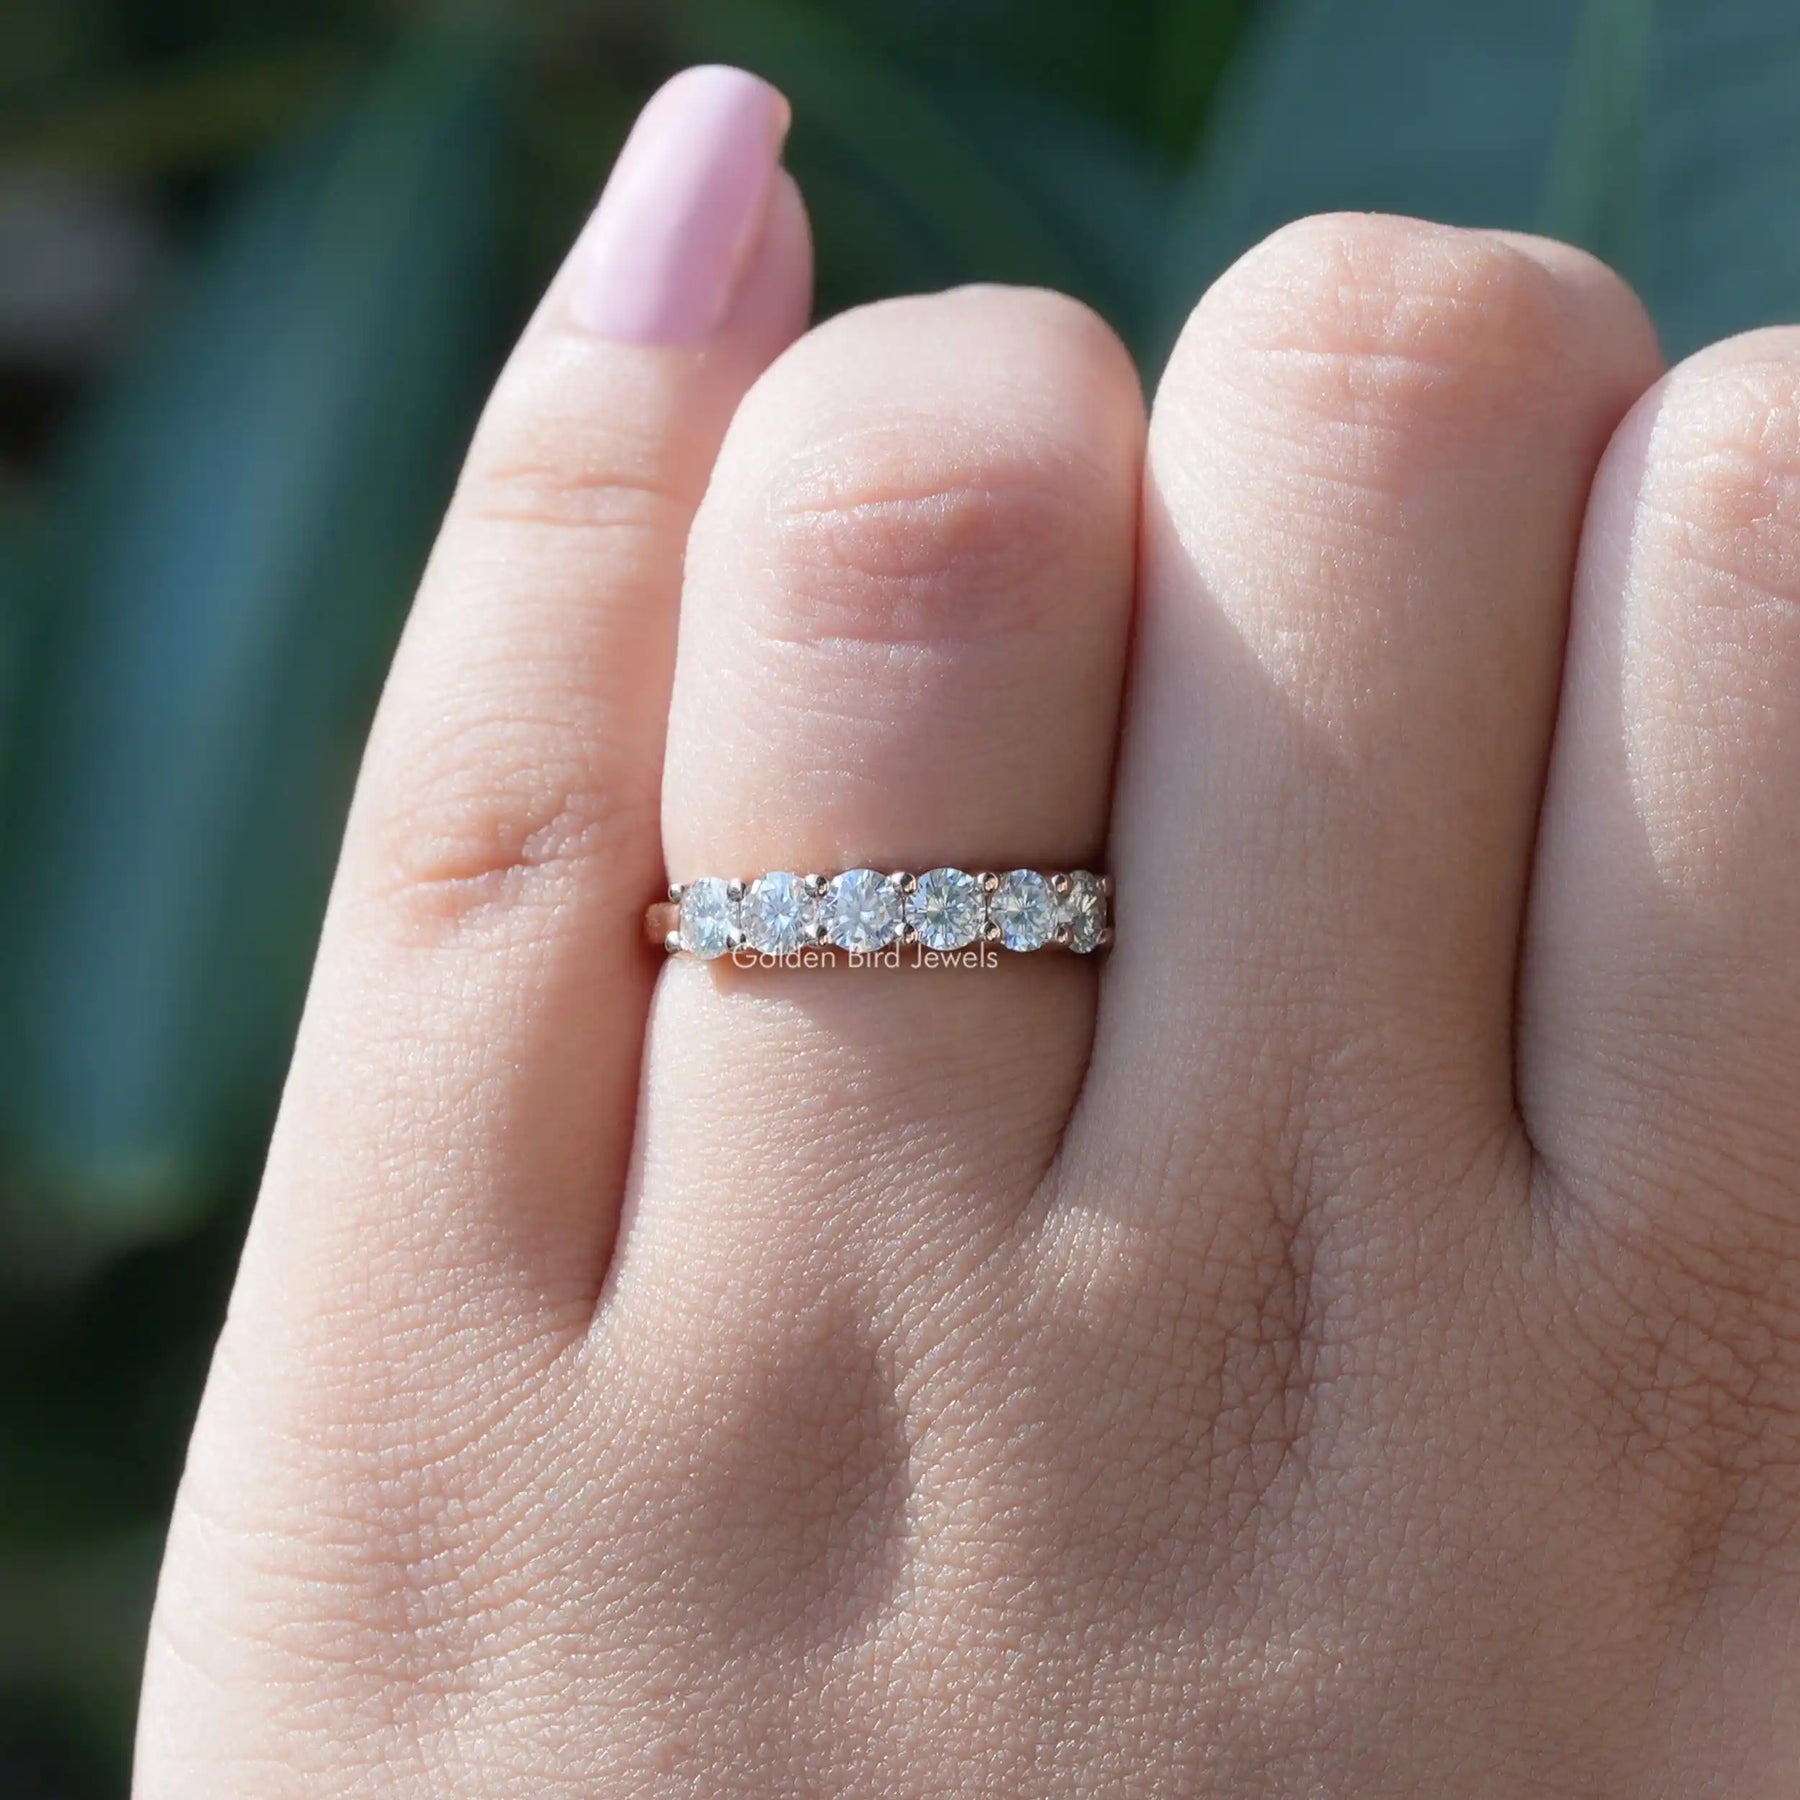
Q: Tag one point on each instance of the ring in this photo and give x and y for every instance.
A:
(944, 912)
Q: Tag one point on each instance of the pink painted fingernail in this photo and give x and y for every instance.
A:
(661, 259)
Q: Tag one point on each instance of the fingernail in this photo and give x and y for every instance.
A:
(661, 259)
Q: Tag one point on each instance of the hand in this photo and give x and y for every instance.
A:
(1344, 1341)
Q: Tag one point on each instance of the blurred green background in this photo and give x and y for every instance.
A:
(257, 264)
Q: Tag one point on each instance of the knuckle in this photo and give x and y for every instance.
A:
(486, 818)
(572, 487)
(1722, 480)
(879, 534)
(1374, 323)
(937, 468)
(1705, 553)
(1692, 1371)
(554, 448)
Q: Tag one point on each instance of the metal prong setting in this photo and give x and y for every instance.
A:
(1002, 924)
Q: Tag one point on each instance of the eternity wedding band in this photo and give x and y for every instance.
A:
(864, 911)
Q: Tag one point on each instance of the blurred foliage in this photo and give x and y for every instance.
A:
(301, 396)
(256, 266)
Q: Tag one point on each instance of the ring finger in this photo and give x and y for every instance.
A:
(902, 637)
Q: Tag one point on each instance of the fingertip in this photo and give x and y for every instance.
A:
(1622, 327)
(664, 257)
(774, 302)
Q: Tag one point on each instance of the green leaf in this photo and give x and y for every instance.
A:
(1665, 135)
(1192, 48)
(175, 119)
(1390, 106)
(248, 506)
(47, 42)
(902, 198)
(22, 572)
(1107, 197)
(1094, 59)
(1724, 169)
(73, 1625)
(1596, 184)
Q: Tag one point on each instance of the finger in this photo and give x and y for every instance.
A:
(902, 639)
(1660, 1048)
(1367, 469)
(458, 1115)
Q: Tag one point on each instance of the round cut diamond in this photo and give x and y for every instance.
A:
(1023, 906)
(944, 908)
(779, 914)
(1084, 911)
(864, 910)
(708, 917)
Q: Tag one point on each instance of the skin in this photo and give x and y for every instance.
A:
(1345, 1342)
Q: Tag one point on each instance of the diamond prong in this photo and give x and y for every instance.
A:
(903, 881)
(734, 891)
(1106, 885)
(676, 890)
(1105, 938)
(1062, 935)
(814, 884)
(672, 943)
(1061, 885)
(989, 880)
